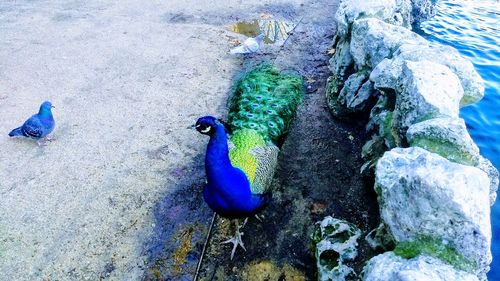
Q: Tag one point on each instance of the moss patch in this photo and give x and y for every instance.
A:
(180, 254)
(447, 149)
(267, 270)
(435, 248)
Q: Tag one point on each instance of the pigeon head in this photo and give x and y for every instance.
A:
(207, 125)
(45, 108)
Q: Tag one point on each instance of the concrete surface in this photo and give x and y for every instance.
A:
(117, 196)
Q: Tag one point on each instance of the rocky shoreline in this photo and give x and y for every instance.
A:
(434, 188)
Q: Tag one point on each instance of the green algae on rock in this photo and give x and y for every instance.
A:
(441, 249)
(389, 266)
(336, 243)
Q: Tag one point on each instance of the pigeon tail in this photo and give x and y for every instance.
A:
(240, 50)
(16, 132)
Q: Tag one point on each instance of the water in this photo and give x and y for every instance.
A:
(473, 28)
(275, 31)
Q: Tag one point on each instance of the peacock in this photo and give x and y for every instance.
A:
(242, 153)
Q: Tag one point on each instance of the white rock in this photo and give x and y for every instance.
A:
(360, 101)
(342, 60)
(423, 194)
(351, 87)
(488, 168)
(390, 267)
(447, 137)
(336, 243)
(351, 10)
(396, 12)
(430, 90)
(386, 74)
(422, 9)
(373, 40)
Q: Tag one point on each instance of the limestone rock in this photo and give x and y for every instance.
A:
(336, 242)
(341, 61)
(389, 266)
(386, 74)
(372, 40)
(422, 10)
(360, 101)
(423, 194)
(351, 10)
(486, 166)
(380, 238)
(447, 137)
(396, 12)
(430, 90)
(381, 121)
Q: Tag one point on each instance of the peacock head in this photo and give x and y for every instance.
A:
(208, 125)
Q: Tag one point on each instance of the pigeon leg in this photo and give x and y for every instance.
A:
(41, 142)
(236, 239)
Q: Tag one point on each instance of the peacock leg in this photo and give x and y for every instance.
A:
(259, 218)
(236, 239)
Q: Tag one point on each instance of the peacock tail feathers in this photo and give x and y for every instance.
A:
(260, 111)
(266, 101)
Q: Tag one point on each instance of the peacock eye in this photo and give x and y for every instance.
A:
(254, 105)
(206, 130)
(249, 115)
(269, 111)
(271, 125)
(274, 105)
(258, 97)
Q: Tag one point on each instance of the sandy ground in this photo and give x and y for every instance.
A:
(126, 78)
(117, 196)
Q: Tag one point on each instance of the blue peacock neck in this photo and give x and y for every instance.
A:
(217, 156)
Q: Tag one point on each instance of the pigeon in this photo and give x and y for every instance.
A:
(250, 45)
(38, 126)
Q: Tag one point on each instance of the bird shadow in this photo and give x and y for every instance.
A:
(181, 220)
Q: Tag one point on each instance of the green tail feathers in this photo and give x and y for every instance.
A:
(266, 101)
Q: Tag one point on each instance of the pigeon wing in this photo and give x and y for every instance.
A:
(33, 128)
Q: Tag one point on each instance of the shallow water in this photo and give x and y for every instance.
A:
(275, 31)
(473, 28)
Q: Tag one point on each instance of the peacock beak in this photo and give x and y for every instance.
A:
(191, 126)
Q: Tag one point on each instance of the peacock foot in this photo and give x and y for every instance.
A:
(236, 240)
